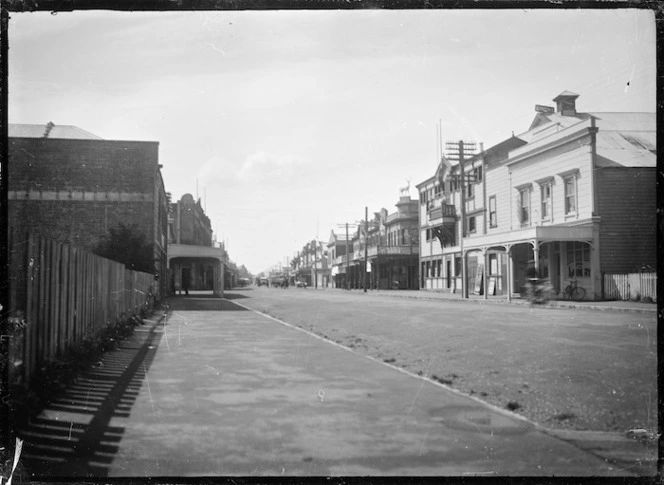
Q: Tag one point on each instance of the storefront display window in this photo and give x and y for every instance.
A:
(578, 260)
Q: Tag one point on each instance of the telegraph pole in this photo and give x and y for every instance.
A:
(347, 262)
(458, 152)
(366, 246)
(464, 268)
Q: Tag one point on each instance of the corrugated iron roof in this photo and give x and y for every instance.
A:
(623, 139)
(626, 121)
(625, 158)
(626, 139)
(49, 130)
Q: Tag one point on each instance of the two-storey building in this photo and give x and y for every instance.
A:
(573, 197)
(394, 247)
(387, 248)
(194, 262)
(72, 186)
(337, 259)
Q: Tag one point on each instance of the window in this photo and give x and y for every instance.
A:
(524, 206)
(546, 201)
(428, 272)
(493, 216)
(470, 190)
(403, 236)
(471, 224)
(570, 195)
(440, 268)
(578, 260)
(428, 235)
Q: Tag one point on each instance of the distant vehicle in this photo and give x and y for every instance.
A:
(276, 281)
(263, 281)
(301, 284)
(244, 282)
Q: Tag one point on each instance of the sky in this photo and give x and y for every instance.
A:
(287, 124)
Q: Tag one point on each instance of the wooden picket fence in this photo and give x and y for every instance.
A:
(69, 294)
(630, 286)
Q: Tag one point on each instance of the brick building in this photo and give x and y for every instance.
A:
(194, 262)
(73, 186)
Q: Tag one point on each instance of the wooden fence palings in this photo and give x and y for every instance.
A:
(71, 294)
(627, 286)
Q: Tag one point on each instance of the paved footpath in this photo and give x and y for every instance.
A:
(223, 391)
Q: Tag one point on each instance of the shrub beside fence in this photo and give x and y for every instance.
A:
(630, 286)
(68, 294)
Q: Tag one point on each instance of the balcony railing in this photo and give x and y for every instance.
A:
(442, 211)
(398, 250)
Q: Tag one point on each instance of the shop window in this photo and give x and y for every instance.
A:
(578, 260)
(493, 215)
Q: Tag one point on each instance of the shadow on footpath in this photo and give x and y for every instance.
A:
(72, 436)
(195, 303)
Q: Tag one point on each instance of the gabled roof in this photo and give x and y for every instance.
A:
(542, 119)
(623, 139)
(50, 130)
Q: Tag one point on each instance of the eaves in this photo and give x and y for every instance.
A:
(555, 143)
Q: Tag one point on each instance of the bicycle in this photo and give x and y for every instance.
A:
(574, 292)
(538, 290)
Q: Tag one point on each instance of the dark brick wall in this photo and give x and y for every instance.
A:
(101, 165)
(626, 203)
(89, 165)
(79, 223)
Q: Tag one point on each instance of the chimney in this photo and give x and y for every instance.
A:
(566, 103)
(49, 127)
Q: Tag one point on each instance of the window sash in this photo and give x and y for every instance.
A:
(546, 201)
(570, 195)
(524, 203)
(493, 222)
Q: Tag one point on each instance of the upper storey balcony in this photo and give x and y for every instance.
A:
(438, 212)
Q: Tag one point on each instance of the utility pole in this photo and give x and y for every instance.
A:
(464, 269)
(458, 152)
(366, 246)
(315, 263)
(347, 262)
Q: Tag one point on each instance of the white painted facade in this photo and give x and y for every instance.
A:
(535, 205)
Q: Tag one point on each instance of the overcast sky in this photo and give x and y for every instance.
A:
(291, 122)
